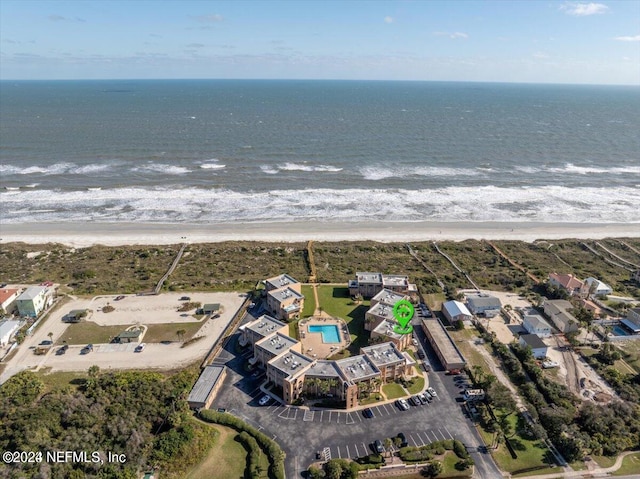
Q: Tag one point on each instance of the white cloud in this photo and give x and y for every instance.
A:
(628, 38)
(388, 19)
(584, 9)
(454, 35)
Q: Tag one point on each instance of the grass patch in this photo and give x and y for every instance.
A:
(309, 301)
(335, 300)
(417, 386)
(293, 328)
(88, 332)
(604, 461)
(630, 465)
(393, 391)
(168, 332)
(434, 300)
(60, 380)
(372, 399)
(531, 452)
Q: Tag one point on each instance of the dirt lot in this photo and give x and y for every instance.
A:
(131, 310)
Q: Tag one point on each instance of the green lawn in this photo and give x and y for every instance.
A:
(630, 465)
(309, 301)
(531, 453)
(60, 380)
(227, 458)
(336, 301)
(604, 461)
(168, 332)
(393, 391)
(88, 332)
(417, 386)
(293, 329)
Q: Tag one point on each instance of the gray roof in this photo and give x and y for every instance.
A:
(280, 281)
(382, 310)
(533, 340)
(536, 321)
(369, 278)
(8, 326)
(356, 368)
(290, 363)
(205, 383)
(383, 354)
(276, 344)
(31, 292)
(324, 369)
(388, 297)
(448, 350)
(385, 328)
(476, 302)
(395, 280)
(284, 293)
(265, 325)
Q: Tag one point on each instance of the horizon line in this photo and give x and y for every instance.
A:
(319, 80)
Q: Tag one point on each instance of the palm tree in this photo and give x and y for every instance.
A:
(50, 336)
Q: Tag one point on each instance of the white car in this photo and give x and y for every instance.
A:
(432, 392)
(264, 400)
(140, 347)
(414, 341)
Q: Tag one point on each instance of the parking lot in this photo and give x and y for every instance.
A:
(303, 432)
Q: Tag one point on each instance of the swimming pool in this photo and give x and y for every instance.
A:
(619, 331)
(329, 332)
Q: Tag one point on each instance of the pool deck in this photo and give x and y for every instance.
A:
(312, 344)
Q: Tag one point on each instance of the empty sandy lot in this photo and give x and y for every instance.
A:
(129, 311)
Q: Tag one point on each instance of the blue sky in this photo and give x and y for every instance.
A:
(507, 41)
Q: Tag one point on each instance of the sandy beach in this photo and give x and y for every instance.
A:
(113, 234)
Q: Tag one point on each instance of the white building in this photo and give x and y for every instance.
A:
(8, 300)
(456, 311)
(7, 330)
(597, 287)
(34, 300)
(538, 348)
(484, 304)
(558, 311)
(535, 324)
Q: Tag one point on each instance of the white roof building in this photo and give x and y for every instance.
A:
(597, 287)
(456, 311)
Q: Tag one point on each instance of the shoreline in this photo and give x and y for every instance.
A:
(117, 234)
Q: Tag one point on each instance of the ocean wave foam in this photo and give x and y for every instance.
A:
(212, 164)
(571, 168)
(304, 167)
(194, 205)
(375, 173)
(163, 168)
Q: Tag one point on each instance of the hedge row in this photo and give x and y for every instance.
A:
(270, 447)
(426, 452)
(253, 460)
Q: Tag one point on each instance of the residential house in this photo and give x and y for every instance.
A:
(456, 311)
(597, 288)
(8, 298)
(538, 348)
(568, 282)
(484, 304)
(7, 329)
(558, 311)
(535, 324)
(34, 300)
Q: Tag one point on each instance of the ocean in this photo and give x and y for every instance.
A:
(225, 151)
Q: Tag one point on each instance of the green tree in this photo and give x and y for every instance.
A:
(433, 469)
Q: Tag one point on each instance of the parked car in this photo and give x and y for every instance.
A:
(87, 349)
(140, 347)
(46, 342)
(402, 404)
(185, 298)
(421, 355)
(423, 398)
(378, 447)
(264, 400)
(415, 400)
(118, 298)
(367, 412)
(414, 341)
(403, 440)
(432, 392)
(62, 350)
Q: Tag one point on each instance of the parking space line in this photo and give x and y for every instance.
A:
(359, 416)
(450, 435)
(295, 415)
(434, 435)
(443, 436)
(355, 446)
(422, 440)
(339, 455)
(338, 418)
(348, 455)
(330, 413)
(414, 441)
(385, 409)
